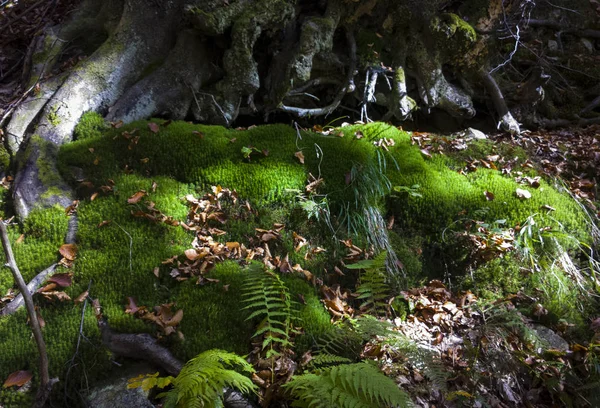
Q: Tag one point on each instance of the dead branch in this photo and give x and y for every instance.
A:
(557, 123)
(32, 286)
(507, 121)
(555, 25)
(45, 382)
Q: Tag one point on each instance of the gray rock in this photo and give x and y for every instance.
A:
(471, 133)
(114, 393)
(550, 337)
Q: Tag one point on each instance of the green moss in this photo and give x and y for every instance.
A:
(119, 258)
(53, 117)
(4, 159)
(42, 150)
(90, 125)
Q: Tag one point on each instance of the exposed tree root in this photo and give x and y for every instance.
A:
(32, 286)
(507, 122)
(169, 90)
(347, 87)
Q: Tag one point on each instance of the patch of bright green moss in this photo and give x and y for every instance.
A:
(90, 125)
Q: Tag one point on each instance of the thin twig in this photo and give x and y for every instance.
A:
(130, 247)
(71, 362)
(45, 382)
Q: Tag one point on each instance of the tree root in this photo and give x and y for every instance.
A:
(435, 90)
(507, 121)
(348, 86)
(32, 286)
(169, 90)
(145, 347)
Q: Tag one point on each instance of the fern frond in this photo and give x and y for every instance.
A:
(203, 379)
(428, 362)
(372, 289)
(326, 359)
(267, 298)
(360, 385)
(340, 341)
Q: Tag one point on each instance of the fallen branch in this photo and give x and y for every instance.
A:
(507, 121)
(557, 123)
(593, 105)
(32, 286)
(45, 381)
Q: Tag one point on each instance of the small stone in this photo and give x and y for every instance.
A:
(552, 45)
(549, 336)
(475, 134)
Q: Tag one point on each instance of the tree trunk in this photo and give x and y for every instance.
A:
(214, 61)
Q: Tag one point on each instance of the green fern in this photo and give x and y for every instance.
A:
(325, 359)
(341, 341)
(360, 385)
(373, 289)
(267, 297)
(203, 379)
(428, 362)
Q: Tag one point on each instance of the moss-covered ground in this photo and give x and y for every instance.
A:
(182, 158)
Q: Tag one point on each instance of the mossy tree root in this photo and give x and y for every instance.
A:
(96, 83)
(169, 90)
(32, 286)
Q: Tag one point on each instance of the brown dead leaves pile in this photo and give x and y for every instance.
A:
(571, 154)
(165, 319)
(206, 217)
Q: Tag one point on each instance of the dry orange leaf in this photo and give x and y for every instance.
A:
(68, 251)
(192, 254)
(20, 239)
(154, 128)
(104, 223)
(18, 378)
(134, 199)
(300, 157)
(81, 298)
(176, 319)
